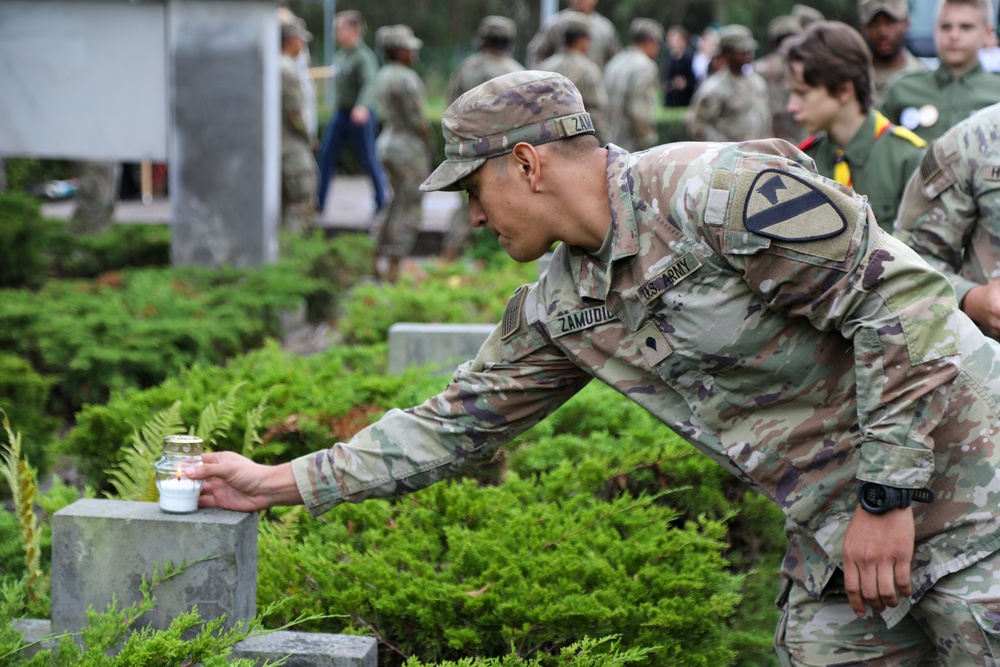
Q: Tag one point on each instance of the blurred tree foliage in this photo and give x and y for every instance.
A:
(448, 27)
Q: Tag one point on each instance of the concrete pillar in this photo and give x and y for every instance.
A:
(441, 346)
(225, 144)
(105, 547)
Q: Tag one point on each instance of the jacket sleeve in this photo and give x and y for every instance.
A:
(507, 389)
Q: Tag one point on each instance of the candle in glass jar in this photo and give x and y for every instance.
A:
(179, 495)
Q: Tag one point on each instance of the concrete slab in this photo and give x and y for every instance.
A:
(440, 346)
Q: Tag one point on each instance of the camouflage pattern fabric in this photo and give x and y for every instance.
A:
(880, 166)
(96, 195)
(404, 148)
(962, 609)
(299, 171)
(884, 75)
(950, 212)
(604, 40)
(756, 309)
(727, 107)
(773, 69)
(633, 83)
(588, 79)
(932, 102)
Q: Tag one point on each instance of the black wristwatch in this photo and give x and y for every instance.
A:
(879, 499)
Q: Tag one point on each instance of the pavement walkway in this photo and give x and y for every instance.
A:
(349, 207)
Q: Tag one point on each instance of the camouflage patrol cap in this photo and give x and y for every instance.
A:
(489, 120)
(783, 26)
(497, 27)
(398, 37)
(898, 10)
(295, 27)
(806, 14)
(735, 37)
(575, 21)
(642, 28)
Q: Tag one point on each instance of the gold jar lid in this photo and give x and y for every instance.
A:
(183, 445)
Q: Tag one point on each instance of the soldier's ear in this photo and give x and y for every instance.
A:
(528, 164)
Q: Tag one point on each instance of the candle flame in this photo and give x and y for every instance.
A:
(179, 474)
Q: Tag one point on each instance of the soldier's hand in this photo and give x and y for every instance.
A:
(982, 304)
(235, 482)
(878, 549)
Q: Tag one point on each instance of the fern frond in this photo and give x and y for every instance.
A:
(23, 488)
(216, 419)
(251, 436)
(135, 478)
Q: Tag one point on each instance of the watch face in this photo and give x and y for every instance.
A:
(873, 495)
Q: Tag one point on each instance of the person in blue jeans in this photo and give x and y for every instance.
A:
(354, 70)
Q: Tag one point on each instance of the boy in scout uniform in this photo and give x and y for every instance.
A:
(950, 214)
(830, 74)
(931, 102)
(756, 309)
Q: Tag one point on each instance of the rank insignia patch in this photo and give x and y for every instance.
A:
(786, 208)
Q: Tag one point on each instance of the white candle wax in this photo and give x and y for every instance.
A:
(179, 496)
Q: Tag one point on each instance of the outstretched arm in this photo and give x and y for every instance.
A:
(234, 482)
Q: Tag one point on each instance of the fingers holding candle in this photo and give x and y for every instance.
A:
(235, 482)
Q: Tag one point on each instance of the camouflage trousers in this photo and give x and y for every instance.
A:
(96, 195)
(396, 231)
(299, 179)
(957, 622)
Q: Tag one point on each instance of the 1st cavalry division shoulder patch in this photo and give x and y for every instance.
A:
(784, 207)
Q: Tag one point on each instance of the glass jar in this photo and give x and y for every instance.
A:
(178, 493)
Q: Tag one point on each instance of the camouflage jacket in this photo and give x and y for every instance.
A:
(950, 212)
(479, 68)
(756, 309)
(293, 120)
(406, 132)
(633, 84)
(726, 107)
(773, 68)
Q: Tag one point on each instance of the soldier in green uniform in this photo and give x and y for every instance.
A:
(830, 78)
(732, 104)
(633, 81)
(403, 147)
(931, 102)
(950, 214)
(883, 25)
(604, 40)
(572, 62)
(496, 38)
(773, 69)
(758, 310)
(299, 173)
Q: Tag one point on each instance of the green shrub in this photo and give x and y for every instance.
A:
(604, 652)
(121, 246)
(25, 393)
(22, 240)
(22, 173)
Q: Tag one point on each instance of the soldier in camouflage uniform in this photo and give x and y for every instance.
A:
(96, 196)
(604, 40)
(633, 81)
(572, 62)
(755, 308)
(883, 25)
(732, 104)
(299, 173)
(496, 38)
(403, 147)
(773, 68)
(830, 73)
(950, 214)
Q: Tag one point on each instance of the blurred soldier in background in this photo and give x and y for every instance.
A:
(96, 195)
(732, 104)
(403, 147)
(354, 70)
(633, 81)
(572, 62)
(830, 78)
(298, 167)
(773, 68)
(931, 102)
(883, 25)
(806, 15)
(496, 38)
(604, 40)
